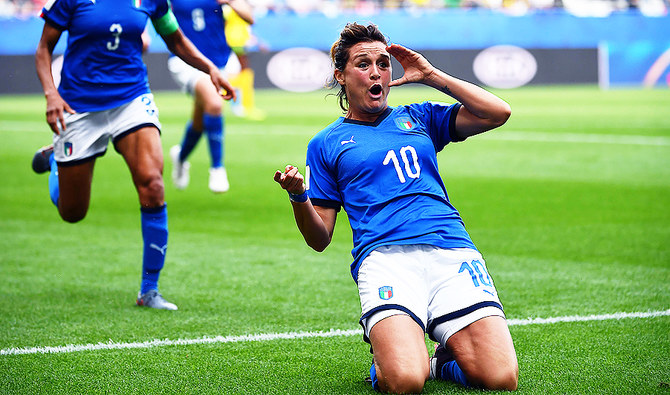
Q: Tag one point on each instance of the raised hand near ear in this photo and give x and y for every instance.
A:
(416, 67)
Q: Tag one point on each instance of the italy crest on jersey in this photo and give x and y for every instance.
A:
(138, 3)
(68, 148)
(385, 292)
(404, 123)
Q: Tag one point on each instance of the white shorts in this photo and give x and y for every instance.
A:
(449, 288)
(186, 76)
(87, 134)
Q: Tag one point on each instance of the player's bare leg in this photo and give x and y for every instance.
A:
(400, 354)
(143, 153)
(74, 184)
(485, 353)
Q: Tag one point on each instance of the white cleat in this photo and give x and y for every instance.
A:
(218, 180)
(180, 170)
(154, 300)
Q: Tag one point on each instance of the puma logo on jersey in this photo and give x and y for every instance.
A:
(158, 248)
(351, 140)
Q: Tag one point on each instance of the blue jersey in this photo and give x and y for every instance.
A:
(202, 22)
(102, 65)
(386, 177)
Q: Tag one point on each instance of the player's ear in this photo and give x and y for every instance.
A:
(339, 76)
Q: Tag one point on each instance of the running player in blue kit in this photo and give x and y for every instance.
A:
(104, 94)
(416, 268)
(203, 23)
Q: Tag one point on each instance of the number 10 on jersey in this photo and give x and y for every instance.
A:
(411, 167)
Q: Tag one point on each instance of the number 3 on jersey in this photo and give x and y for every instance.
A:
(412, 169)
(116, 30)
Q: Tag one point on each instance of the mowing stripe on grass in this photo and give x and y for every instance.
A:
(503, 135)
(111, 345)
(581, 138)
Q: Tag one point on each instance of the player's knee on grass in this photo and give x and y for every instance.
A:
(403, 380)
(502, 378)
(505, 379)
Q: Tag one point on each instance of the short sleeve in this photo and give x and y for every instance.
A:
(321, 180)
(58, 13)
(161, 8)
(440, 121)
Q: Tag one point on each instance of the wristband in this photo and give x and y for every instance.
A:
(302, 198)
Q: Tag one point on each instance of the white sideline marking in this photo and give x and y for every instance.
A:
(111, 345)
(577, 318)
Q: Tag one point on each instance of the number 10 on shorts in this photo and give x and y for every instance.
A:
(478, 273)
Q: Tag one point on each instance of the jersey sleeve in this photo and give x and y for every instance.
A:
(320, 180)
(58, 13)
(440, 121)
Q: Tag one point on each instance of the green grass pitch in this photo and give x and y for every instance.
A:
(569, 202)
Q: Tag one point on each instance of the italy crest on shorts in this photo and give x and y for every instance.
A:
(386, 292)
(67, 148)
(404, 123)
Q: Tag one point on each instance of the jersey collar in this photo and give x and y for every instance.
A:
(375, 122)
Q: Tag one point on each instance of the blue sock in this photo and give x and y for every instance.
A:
(54, 189)
(191, 138)
(373, 377)
(452, 372)
(213, 125)
(155, 235)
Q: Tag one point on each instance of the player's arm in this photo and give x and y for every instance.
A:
(43, 57)
(241, 8)
(181, 46)
(316, 223)
(146, 41)
(481, 110)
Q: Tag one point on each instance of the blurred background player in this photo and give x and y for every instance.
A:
(416, 268)
(238, 34)
(203, 23)
(104, 94)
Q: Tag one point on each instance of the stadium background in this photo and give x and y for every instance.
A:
(612, 43)
(570, 202)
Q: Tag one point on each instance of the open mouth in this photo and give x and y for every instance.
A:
(376, 90)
